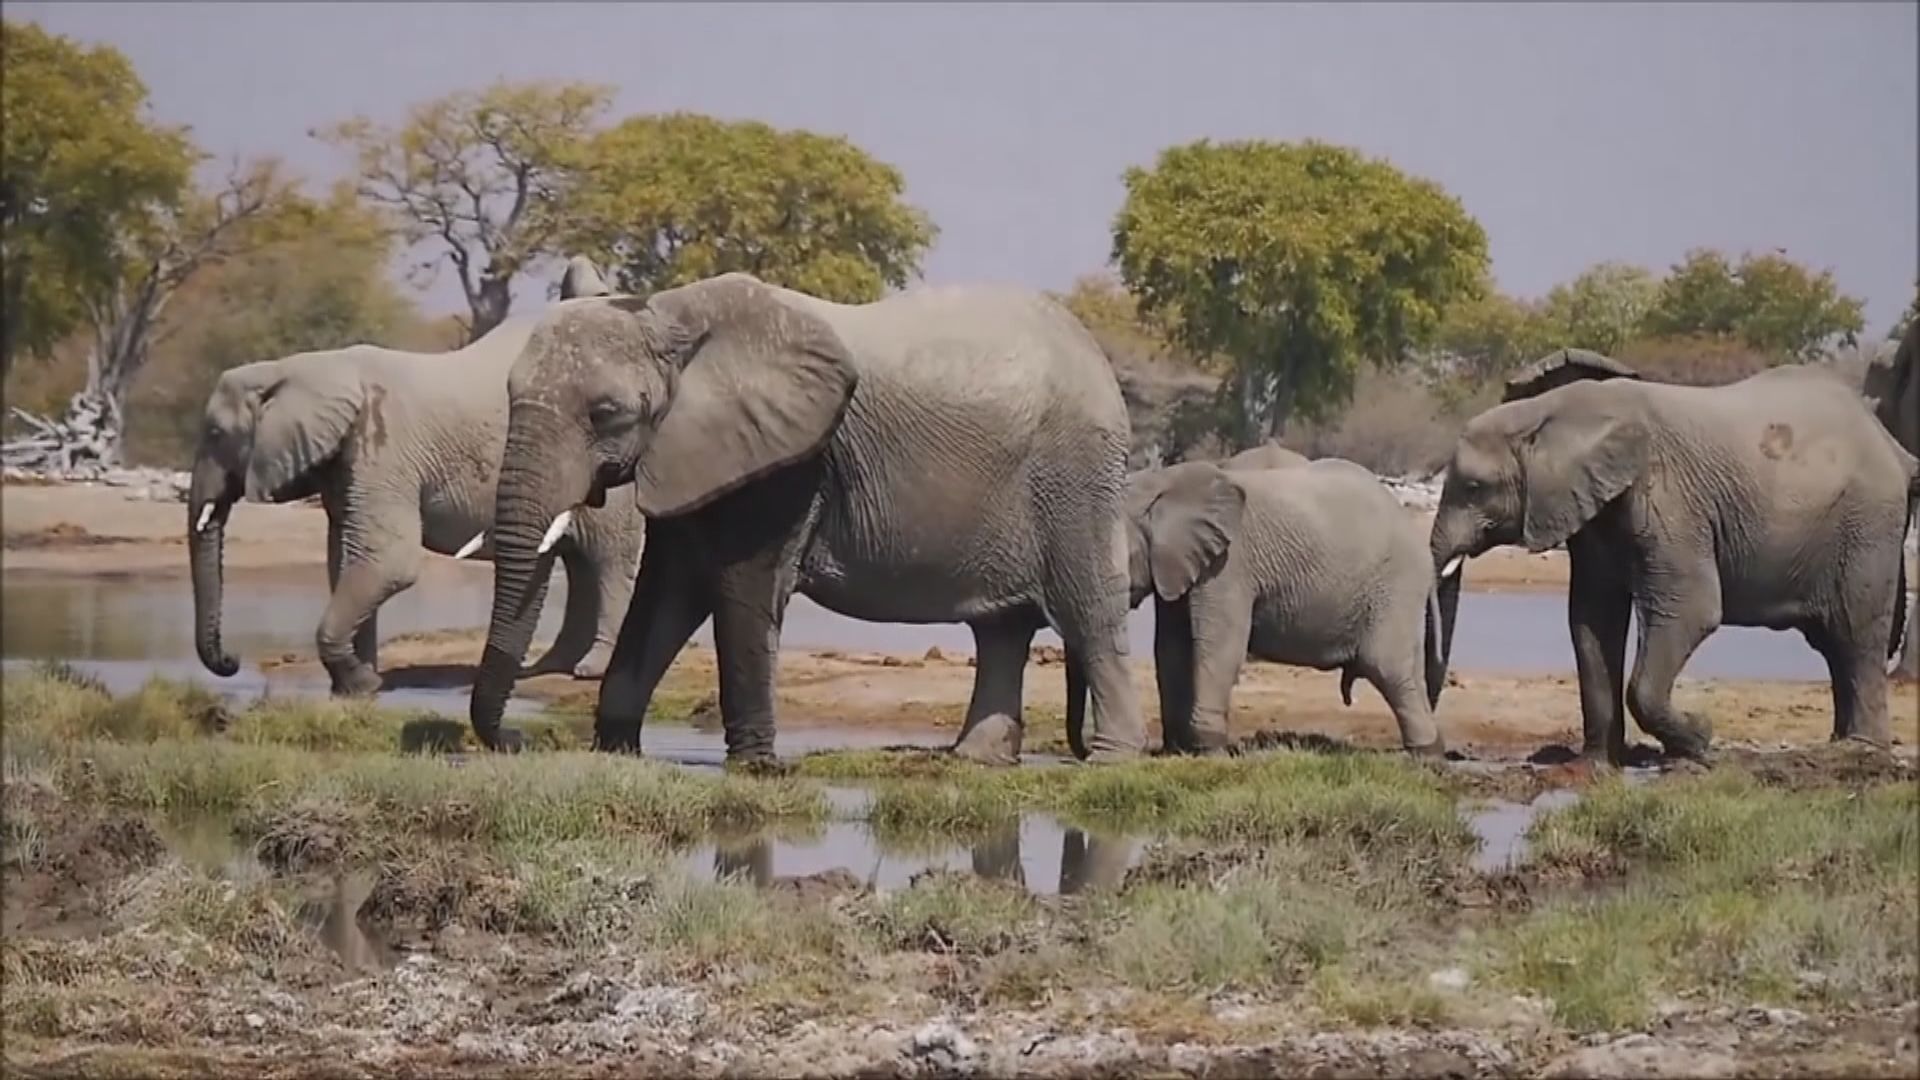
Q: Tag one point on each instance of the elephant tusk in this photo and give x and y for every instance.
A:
(1452, 567)
(471, 546)
(206, 515)
(556, 530)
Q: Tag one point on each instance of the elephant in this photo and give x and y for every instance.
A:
(403, 450)
(1768, 502)
(953, 454)
(1314, 564)
(1269, 455)
(1892, 389)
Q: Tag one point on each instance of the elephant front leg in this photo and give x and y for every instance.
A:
(669, 604)
(366, 640)
(578, 623)
(360, 590)
(1173, 673)
(1598, 606)
(1676, 615)
(1222, 624)
(993, 730)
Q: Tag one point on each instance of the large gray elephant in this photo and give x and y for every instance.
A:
(404, 450)
(945, 455)
(1773, 501)
(1314, 564)
(1892, 390)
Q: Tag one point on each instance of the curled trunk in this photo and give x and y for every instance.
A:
(212, 494)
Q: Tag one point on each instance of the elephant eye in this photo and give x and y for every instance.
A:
(610, 414)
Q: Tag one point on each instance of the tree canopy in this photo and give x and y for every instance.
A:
(82, 171)
(482, 178)
(665, 200)
(1769, 302)
(1297, 262)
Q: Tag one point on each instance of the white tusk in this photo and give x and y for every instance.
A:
(556, 530)
(206, 515)
(471, 546)
(1452, 567)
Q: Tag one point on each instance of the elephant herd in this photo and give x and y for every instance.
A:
(959, 454)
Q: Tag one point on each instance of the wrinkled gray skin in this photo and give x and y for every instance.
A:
(1768, 502)
(1314, 564)
(946, 455)
(1892, 390)
(1269, 455)
(403, 449)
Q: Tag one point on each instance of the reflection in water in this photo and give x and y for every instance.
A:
(340, 928)
(152, 621)
(1502, 827)
(1088, 860)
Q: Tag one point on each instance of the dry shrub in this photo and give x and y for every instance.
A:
(1397, 425)
(1693, 361)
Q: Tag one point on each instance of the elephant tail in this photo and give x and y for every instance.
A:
(1076, 705)
(1896, 638)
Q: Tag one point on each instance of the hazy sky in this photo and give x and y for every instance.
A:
(1575, 133)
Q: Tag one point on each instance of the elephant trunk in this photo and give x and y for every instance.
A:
(530, 499)
(1450, 552)
(210, 498)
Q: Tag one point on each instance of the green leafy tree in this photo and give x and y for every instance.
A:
(481, 179)
(1602, 309)
(1113, 316)
(82, 169)
(1899, 327)
(1296, 262)
(1488, 334)
(1769, 302)
(669, 199)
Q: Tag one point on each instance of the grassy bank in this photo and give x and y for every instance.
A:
(1329, 889)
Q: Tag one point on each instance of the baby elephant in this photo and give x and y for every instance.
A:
(1314, 564)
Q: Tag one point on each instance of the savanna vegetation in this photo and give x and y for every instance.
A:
(1300, 291)
(168, 862)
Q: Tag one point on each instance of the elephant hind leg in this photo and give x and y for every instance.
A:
(669, 604)
(1859, 678)
(993, 729)
(1402, 681)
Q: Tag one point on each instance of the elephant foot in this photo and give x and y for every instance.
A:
(1689, 737)
(994, 740)
(359, 680)
(1861, 739)
(1435, 750)
(758, 764)
(1111, 755)
(508, 741)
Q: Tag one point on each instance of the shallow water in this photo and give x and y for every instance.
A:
(151, 621)
(1502, 827)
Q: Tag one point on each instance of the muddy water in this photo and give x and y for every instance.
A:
(151, 623)
(1501, 827)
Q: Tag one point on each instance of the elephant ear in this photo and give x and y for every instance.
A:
(1190, 527)
(763, 384)
(303, 416)
(1581, 457)
(1561, 367)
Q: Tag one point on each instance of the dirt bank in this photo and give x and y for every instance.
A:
(92, 530)
(1486, 716)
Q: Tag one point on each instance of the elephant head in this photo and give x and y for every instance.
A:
(1533, 472)
(271, 431)
(688, 394)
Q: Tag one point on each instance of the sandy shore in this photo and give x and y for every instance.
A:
(90, 530)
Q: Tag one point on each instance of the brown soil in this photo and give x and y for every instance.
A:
(1482, 716)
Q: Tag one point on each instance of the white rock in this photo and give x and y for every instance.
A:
(255, 1021)
(1452, 978)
